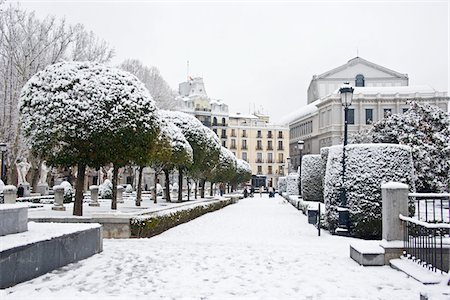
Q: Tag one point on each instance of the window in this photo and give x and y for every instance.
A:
(244, 156)
(244, 144)
(269, 145)
(215, 130)
(369, 116)
(224, 143)
(269, 170)
(258, 145)
(280, 158)
(224, 133)
(233, 132)
(233, 144)
(214, 121)
(280, 145)
(280, 170)
(259, 170)
(359, 80)
(280, 134)
(223, 122)
(351, 116)
(244, 133)
(269, 134)
(387, 112)
(259, 157)
(270, 158)
(258, 135)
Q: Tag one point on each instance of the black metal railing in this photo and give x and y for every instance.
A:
(427, 234)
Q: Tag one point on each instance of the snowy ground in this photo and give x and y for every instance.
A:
(259, 248)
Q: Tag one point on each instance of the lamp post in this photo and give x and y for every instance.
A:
(288, 159)
(3, 150)
(300, 145)
(346, 92)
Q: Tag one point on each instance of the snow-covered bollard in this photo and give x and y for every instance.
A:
(395, 202)
(94, 195)
(59, 198)
(10, 194)
(120, 194)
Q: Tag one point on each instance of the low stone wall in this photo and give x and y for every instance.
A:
(13, 218)
(28, 261)
(148, 226)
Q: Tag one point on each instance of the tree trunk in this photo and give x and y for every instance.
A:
(139, 187)
(114, 191)
(202, 188)
(78, 204)
(167, 184)
(180, 185)
(196, 188)
(189, 189)
(155, 184)
(211, 191)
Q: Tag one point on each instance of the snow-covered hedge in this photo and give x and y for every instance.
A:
(105, 189)
(281, 185)
(292, 184)
(68, 191)
(311, 178)
(367, 167)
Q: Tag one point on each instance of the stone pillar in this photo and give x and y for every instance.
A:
(395, 201)
(42, 188)
(10, 194)
(94, 195)
(120, 194)
(59, 198)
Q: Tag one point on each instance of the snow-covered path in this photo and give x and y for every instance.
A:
(259, 248)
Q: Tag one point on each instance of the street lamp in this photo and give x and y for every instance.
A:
(346, 92)
(3, 150)
(288, 159)
(300, 145)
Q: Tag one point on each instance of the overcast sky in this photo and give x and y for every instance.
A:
(265, 53)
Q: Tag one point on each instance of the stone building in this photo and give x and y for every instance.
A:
(377, 92)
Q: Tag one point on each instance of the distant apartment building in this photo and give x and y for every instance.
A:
(250, 137)
(262, 144)
(378, 91)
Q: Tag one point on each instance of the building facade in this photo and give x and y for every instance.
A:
(262, 144)
(377, 91)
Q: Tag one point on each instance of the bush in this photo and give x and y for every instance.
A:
(68, 191)
(311, 178)
(281, 185)
(292, 184)
(105, 189)
(367, 167)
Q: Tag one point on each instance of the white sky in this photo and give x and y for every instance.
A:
(265, 53)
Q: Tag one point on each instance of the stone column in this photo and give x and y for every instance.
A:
(120, 194)
(59, 198)
(395, 201)
(94, 195)
(10, 194)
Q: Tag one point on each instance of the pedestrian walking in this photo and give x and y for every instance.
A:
(260, 191)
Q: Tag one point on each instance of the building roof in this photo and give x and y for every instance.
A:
(355, 61)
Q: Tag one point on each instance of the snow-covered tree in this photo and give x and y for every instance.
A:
(160, 90)
(225, 169)
(204, 142)
(87, 114)
(27, 45)
(243, 172)
(426, 129)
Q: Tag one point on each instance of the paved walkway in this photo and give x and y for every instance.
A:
(259, 248)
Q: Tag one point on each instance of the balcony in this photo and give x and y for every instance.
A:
(280, 161)
(259, 161)
(280, 136)
(233, 147)
(233, 134)
(259, 147)
(270, 161)
(280, 148)
(269, 136)
(224, 136)
(269, 148)
(259, 136)
(244, 147)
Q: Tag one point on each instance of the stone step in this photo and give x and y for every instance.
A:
(367, 253)
(416, 271)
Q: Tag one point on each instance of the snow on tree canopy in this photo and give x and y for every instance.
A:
(426, 129)
(243, 166)
(175, 136)
(368, 166)
(70, 102)
(282, 185)
(311, 178)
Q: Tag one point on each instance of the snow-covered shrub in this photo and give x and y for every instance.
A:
(292, 184)
(128, 188)
(426, 129)
(68, 191)
(367, 167)
(281, 185)
(311, 178)
(105, 189)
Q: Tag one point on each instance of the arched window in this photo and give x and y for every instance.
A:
(223, 121)
(359, 80)
(215, 121)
